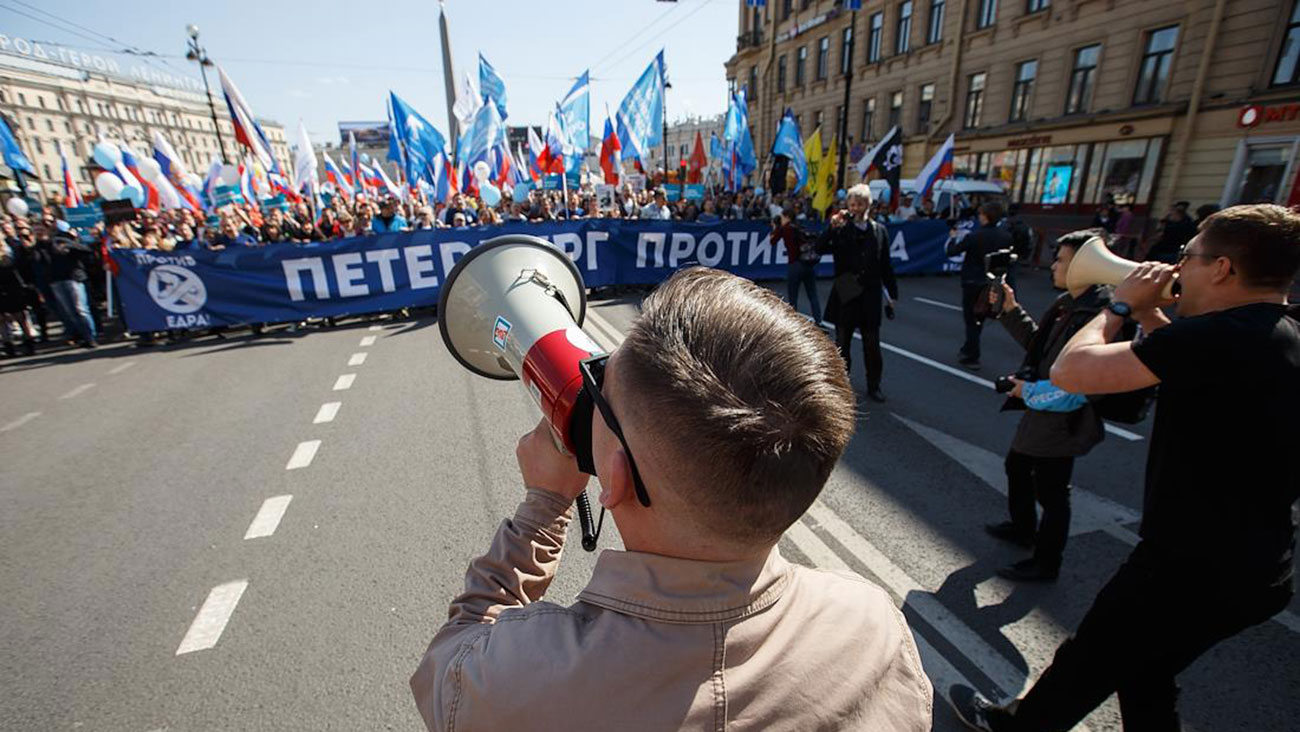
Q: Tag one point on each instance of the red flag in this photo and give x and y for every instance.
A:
(698, 161)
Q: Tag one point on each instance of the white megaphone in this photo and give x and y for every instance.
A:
(1096, 264)
(512, 308)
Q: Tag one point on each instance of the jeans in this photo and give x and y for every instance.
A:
(803, 273)
(971, 347)
(72, 299)
(1046, 481)
(1147, 624)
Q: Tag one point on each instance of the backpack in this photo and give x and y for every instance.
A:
(1129, 407)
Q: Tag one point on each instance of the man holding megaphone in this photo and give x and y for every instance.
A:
(1218, 531)
(715, 425)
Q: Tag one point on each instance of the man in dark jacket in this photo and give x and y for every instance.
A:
(69, 263)
(860, 247)
(985, 239)
(1056, 427)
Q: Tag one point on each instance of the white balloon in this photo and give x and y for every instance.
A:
(193, 180)
(482, 171)
(149, 169)
(109, 186)
(17, 206)
(229, 175)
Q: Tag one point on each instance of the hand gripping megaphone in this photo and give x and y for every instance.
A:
(512, 308)
(1096, 264)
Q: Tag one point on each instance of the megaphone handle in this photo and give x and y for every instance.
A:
(585, 521)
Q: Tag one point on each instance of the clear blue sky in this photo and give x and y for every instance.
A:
(338, 60)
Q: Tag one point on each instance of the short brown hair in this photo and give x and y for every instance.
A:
(745, 393)
(1262, 240)
(992, 211)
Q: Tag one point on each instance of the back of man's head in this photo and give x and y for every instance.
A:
(1262, 240)
(992, 211)
(745, 399)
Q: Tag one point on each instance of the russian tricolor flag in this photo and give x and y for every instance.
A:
(247, 131)
(940, 166)
(335, 175)
(71, 196)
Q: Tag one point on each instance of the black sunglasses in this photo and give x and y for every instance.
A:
(593, 377)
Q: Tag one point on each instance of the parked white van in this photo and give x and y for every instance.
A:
(969, 193)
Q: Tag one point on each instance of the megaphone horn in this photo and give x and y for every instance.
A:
(1096, 264)
(512, 308)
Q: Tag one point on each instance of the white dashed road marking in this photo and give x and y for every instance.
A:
(120, 368)
(376, 327)
(79, 390)
(327, 412)
(20, 421)
(357, 359)
(344, 382)
(303, 454)
(368, 341)
(211, 621)
(268, 517)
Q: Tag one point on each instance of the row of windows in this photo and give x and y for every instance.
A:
(1151, 86)
(130, 113)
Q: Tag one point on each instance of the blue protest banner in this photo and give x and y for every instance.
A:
(695, 191)
(289, 282)
(673, 192)
(274, 202)
(83, 217)
(223, 195)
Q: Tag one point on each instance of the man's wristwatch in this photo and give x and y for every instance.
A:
(1122, 309)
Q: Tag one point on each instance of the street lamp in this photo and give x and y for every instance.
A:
(197, 53)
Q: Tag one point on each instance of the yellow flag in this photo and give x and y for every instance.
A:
(812, 153)
(826, 179)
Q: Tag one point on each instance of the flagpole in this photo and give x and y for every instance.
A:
(448, 77)
(844, 114)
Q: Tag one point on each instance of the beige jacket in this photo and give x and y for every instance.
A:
(657, 643)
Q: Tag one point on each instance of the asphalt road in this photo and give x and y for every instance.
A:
(131, 477)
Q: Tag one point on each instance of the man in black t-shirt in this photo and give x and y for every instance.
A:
(1218, 532)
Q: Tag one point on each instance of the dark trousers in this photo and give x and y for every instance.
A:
(803, 274)
(875, 363)
(969, 294)
(1044, 481)
(1148, 624)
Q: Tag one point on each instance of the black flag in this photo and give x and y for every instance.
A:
(776, 182)
(887, 157)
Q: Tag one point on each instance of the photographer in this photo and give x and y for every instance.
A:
(978, 244)
(1056, 427)
(863, 270)
(706, 452)
(1217, 542)
(803, 258)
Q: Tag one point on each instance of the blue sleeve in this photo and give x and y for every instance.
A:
(1044, 396)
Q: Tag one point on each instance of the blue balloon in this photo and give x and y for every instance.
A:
(135, 194)
(520, 192)
(490, 194)
(107, 155)
(365, 158)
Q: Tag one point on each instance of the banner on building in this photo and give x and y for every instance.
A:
(290, 282)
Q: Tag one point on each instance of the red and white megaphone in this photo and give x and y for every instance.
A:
(512, 308)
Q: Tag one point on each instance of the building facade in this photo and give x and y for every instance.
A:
(681, 140)
(1068, 104)
(52, 104)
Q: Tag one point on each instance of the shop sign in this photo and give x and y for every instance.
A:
(1031, 141)
(1256, 114)
(805, 26)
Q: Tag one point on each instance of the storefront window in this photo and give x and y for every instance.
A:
(1054, 175)
(1121, 171)
(1261, 181)
(1005, 168)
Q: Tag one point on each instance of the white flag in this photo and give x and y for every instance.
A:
(304, 160)
(467, 102)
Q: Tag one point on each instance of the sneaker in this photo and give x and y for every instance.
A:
(1030, 570)
(976, 710)
(972, 364)
(1007, 531)
(876, 395)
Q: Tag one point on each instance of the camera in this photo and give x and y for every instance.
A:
(1004, 384)
(998, 263)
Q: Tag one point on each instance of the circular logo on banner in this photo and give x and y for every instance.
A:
(1250, 116)
(176, 289)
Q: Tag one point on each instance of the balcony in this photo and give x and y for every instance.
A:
(749, 39)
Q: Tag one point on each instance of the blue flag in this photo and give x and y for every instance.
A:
(14, 157)
(419, 139)
(789, 144)
(574, 112)
(715, 147)
(640, 117)
(736, 134)
(484, 134)
(491, 85)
